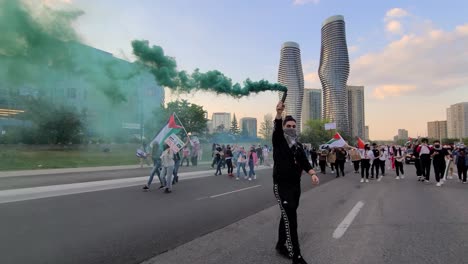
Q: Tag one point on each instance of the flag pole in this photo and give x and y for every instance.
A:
(181, 125)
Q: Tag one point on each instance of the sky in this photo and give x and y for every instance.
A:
(410, 56)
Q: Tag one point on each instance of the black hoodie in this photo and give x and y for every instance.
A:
(288, 162)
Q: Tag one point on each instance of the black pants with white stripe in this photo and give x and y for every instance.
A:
(288, 200)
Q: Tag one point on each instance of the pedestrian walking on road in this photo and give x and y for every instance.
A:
(323, 160)
(382, 159)
(425, 153)
(167, 162)
(241, 160)
(331, 158)
(185, 156)
(374, 158)
(399, 160)
(313, 157)
(289, 162)
(156, 156)
(355, 158)
(228, 157)
(252, 160)
(175, 173)
(438, 161)
(366, 154)
(340, 161)
(461, 159)
(218, 160)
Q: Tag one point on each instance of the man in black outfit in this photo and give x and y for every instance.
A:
(375, 161)
(289, 162)
(313, 157)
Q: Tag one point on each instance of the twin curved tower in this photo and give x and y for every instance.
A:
(333, 73)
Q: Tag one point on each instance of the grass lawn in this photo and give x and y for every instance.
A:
(30, 157)
(33, 157)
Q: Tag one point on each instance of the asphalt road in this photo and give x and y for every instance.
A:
(125, 225)
(347, 222)
(7, 183)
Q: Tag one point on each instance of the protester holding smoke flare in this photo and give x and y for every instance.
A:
(289, 162)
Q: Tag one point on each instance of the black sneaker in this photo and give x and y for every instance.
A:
(298, 260)
(167, 191)
(160, 187)
(283, 251)
(145, 188)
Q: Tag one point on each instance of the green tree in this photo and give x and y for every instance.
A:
(192, 117)
(266, 127)
(51, 124)
(235, 130)
(315, 133)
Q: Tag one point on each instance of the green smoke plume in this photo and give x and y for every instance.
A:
(36, 40)
(42, 57)
(164, 69)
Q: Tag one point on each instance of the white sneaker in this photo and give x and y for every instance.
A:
(333, 171)
(426, 181)
(367, 180)
(362, 180)
(439, 184)
(255, 177)
(397, 177)
(250, 179)
(237, 178)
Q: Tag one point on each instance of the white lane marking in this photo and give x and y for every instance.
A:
(32, 193)
(226, 193)
(344, 225)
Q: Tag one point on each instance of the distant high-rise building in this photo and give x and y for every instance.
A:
(249, 125)
(402, 134)
(221, 120)
(457, 120)
(437, 129)
(356, 111)
(209, 126)
(312, 105)
(290, 75)
(366, 133)
(333, 72)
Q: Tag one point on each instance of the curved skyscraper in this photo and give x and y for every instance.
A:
(334, 71)
(290, 75)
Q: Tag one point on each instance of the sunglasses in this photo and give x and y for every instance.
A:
(291, 126)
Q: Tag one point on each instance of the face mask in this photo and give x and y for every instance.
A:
(291, 136)
(437, 146)
(292, 132)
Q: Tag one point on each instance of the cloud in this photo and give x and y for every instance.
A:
(394, 27)
(393, 18)
(312, 80)
(396, 13)
(429, 62)
(303, 2)
(353, 49)
(391, 90)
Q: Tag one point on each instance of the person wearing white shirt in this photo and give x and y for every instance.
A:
(382, 158)
(399, 159)
(365, 162)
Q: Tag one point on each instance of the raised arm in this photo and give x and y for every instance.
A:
(278, 125)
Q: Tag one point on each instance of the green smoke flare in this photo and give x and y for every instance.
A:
(164, 69)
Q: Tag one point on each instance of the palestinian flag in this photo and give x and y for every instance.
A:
(360, 143)
(170, 128)
(337, 141)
